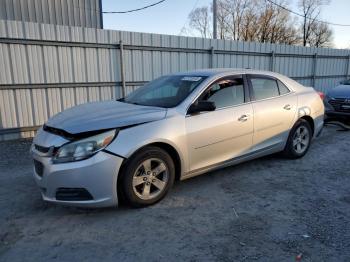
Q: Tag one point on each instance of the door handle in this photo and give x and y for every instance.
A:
(287, 107)
(243, 118)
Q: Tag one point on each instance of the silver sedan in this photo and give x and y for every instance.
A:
(173, 128)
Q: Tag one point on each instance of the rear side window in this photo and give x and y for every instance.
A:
(264, 88)
(283, 88)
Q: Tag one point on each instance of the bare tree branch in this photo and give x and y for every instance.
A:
(200, 21)
(311, 10)
(262, 21)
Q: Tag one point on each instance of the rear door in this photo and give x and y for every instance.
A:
(225, 133)
(274, 108)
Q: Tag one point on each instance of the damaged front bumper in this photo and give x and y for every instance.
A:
(86, 183)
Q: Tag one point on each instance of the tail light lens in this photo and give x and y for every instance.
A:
(322, 95)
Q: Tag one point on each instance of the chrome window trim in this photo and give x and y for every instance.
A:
(273, 97)
(245, 103)
(221, 108)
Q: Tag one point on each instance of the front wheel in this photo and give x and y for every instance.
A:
(299, 140)
(147, 177)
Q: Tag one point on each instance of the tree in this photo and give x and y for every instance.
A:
(237, 18)
(321, 35)
(281, 28)
(200, 21)
(222, 18)
(263, 21)
(311, 10)
(248, 23)
(247, 20)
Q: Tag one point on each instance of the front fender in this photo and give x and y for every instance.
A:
(170, 131)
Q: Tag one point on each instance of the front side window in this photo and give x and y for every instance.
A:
(264, 88)
(166, 91)
(226, 92)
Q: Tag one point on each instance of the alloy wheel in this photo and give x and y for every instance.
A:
(150, 178)
(301, 139)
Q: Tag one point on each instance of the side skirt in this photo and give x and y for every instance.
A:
(234, 161)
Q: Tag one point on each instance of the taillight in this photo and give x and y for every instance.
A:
(321, 94)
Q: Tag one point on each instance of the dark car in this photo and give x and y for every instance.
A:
(337, 102)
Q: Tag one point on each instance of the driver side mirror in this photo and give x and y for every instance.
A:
(201, 106)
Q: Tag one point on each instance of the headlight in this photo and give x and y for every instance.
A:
(83, 148)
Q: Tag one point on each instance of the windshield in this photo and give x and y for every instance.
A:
(166, 91)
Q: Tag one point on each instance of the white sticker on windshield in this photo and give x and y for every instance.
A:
(191, 78)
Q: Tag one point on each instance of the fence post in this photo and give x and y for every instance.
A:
(348, 68)
(122, 71)
(212, 54)
(272, 61)
(314, 69)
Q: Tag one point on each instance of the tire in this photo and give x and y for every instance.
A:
(147, 177)
(299, 140)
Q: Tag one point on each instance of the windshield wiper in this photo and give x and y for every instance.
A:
(123, 100)
(134, 103)
(128, 102)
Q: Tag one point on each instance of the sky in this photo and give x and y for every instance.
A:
(171, 16)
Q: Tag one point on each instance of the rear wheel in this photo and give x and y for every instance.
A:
(299, 140)
(147, 177)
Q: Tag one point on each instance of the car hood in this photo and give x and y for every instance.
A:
(341, 91)
(103, 115)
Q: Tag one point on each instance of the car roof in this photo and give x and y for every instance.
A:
(220, 71)
(212, 72)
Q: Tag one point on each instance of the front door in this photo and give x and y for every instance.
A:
(225, 133)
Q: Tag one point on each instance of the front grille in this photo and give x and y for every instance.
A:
(42, 149)
(340, 104)
(73, 194)
(39, 168)
(45, 151)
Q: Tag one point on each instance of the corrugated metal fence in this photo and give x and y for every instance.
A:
(45, 69)
(86, 13)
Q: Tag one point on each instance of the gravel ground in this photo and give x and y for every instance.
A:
(271, 209)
